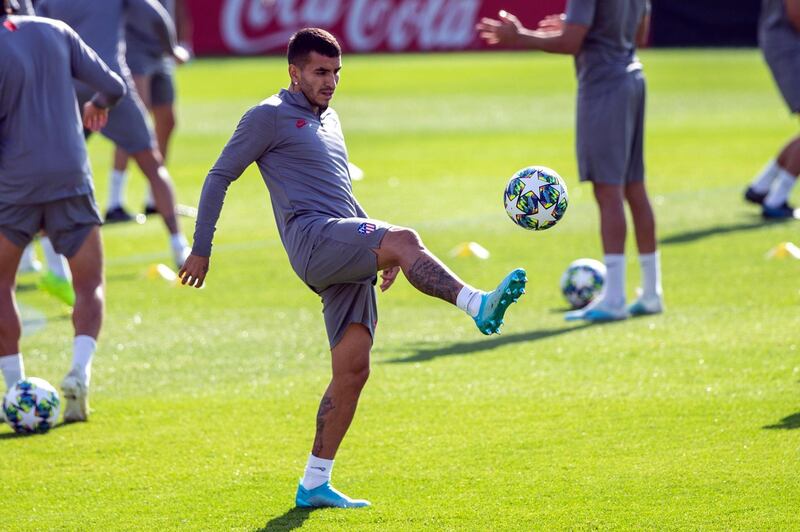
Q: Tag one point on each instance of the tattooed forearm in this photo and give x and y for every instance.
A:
(431, 277)
(325, 406)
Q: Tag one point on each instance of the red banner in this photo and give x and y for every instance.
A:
(252, 27)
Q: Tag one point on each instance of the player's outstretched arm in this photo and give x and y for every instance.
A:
(253, 136)
(554, 35)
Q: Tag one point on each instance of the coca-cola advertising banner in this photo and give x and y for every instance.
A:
(250, 27)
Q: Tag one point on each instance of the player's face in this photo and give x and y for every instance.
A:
(318, 78)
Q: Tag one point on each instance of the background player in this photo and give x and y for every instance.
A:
(100, 23)
(779, 38)
(602, 36)
(297, 142)
(50, 187)
(154, 77)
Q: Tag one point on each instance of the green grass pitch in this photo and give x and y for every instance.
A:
(204, 401)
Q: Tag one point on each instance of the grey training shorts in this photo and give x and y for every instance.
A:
(785, 69)
(160, 71)
(342, 269)
(67, 222)
(128, 125)
(610, 131)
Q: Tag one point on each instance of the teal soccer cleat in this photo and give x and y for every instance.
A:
(495, 303)
(326, 496)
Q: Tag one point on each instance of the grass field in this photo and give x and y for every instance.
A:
(204, 401)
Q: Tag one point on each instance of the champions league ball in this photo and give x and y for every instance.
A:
(31, 406)
(536, 198)
(583, 281)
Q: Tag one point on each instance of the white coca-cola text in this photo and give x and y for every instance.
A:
(259, 26)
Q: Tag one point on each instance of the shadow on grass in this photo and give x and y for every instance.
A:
(463, 348)
(14, 435)
(292, 519)
(787, 423)
(691, 236)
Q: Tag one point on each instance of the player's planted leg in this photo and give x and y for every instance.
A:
(350, 365)
(650, 299)
(87, 318)
(610, 305)
(403, 247)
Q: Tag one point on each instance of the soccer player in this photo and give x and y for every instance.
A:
(779, 38)
(45, 181)
(100, 24)
(602, 36)
(153, 73)
(333, 246)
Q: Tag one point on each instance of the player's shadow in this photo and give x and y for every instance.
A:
(788, 423)
(691, 236)
(293, 518)
(465, 348)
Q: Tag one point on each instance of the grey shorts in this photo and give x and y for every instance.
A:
(342, 269)
(128, 126)
(67, 222)
(610, 132)
(785, 69)
(161, 74)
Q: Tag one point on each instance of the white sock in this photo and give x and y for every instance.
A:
(614, 289)
(148, 198)
(84, 348)
(469, 300)
(56, 263)
(780, 190)
(764, 180)
(651, 274)
(318, 472)
(116, 188)
(13, 369)
(178, 242)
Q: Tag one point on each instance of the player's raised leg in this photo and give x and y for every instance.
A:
(87, 318)
(350, 365)
(610, 305)
(402, 247)
(149, 162)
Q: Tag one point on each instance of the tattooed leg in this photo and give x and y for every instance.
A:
(431, 277)
(403, 247)
(350, 362)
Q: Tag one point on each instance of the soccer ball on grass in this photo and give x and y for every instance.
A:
(583, 281)
(31, 406)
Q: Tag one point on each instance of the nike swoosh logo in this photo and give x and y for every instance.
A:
(320, 468)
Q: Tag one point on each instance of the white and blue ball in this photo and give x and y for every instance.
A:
(583, 281)
(536, 198)
(31, 406)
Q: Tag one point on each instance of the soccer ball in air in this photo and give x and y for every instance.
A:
(536, 198)
(31, 406)
(583, 281)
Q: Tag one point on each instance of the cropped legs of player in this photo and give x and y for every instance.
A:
(779, 39)
(610, 132)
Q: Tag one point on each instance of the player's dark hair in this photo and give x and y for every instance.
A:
(308, 40)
